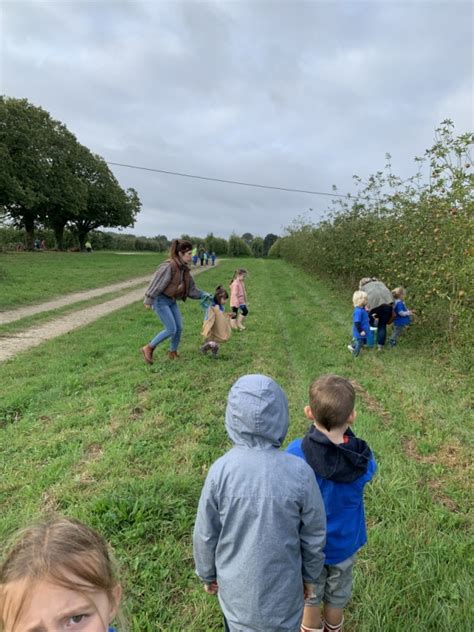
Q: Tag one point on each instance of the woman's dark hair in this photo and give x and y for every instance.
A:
(179, 245)
(220, 293)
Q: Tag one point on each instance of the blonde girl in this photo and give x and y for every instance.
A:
(238, 298)
(216, 327)
(59, 576)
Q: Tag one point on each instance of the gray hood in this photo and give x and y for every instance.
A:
(257, 413)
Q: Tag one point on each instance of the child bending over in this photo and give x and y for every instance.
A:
(343, 464)
(216, 326)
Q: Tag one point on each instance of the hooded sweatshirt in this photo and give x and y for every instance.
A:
(260, 526)
(341, 473)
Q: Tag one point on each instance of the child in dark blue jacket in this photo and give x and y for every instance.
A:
(343, 464)
(360, 322)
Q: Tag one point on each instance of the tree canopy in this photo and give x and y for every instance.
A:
(48, 178)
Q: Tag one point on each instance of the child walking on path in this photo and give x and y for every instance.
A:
(238, 298)
(343, 464)
(360, 323)
(402, 315)
(216, 327)
(59, 575)
(260, 525)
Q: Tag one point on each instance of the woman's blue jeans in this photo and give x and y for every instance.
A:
(168, 312)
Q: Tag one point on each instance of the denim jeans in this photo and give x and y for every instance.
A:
(168, 312)
(358, 343)
(383, 313)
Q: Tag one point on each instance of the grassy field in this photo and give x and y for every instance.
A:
(34, 277)
(88, 430)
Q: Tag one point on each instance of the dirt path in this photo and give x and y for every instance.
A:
(13, 344)
(16, 314)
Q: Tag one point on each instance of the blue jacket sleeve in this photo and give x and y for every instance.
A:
(312, 530)
(206, 533)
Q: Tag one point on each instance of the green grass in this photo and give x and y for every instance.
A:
(35, 277)
(88, 430)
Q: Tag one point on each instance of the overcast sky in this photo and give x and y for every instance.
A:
(285, 93)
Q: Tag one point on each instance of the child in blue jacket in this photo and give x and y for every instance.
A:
(402, 315)
(343, 464)
(360, 322)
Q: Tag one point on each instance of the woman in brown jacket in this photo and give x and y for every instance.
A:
(172, 281)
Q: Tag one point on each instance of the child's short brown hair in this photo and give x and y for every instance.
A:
(331, 399)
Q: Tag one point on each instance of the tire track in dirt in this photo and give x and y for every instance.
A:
(20, 341)
(12, 315)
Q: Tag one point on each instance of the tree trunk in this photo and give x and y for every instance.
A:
(29, 225)
(59, 236)
(82, 236)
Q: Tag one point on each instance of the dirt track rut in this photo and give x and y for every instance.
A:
(15, 343)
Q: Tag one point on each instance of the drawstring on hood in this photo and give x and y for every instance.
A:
(343, 463)
(257, 413)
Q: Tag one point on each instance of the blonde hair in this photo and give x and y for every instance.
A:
(242, 271)
(398, 292)
(359, 298)
(64, 551)
(331, 399)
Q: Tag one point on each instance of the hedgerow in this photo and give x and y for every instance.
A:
(416, 232)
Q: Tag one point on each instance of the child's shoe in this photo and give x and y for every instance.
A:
(351, 348)
(379, 347)
(328, 627)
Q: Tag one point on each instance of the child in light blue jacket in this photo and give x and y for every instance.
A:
(260, 527)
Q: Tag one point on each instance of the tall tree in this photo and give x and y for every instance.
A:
(107, 205)
(26, 134)
(247, 237)
(268, 242)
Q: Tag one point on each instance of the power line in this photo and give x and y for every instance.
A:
(244, 184)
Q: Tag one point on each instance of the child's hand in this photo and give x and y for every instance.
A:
(211, 588)
(362, 333)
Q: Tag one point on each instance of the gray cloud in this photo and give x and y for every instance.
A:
(298, 94)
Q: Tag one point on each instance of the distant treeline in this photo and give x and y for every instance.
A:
(14, 239)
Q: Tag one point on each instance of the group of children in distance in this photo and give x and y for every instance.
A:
(218, 324)
(276, 532)
(361, 328)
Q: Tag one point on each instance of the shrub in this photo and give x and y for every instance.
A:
(414, 233)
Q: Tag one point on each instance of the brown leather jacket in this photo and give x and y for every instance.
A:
(178, 287)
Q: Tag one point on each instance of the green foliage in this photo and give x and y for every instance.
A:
(238, 247)
(15, 239)
(257, 246)
(48, 178)
(411, 233)
(275, 250)
(268, 242)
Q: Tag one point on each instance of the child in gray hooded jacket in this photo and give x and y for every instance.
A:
(261, 527)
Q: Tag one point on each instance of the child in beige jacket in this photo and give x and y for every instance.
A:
(216, 326)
